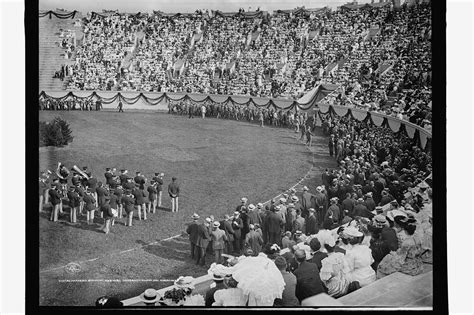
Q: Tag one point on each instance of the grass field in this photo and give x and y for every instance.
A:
(216, 162)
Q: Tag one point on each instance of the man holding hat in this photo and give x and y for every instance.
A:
(218, 238)
(173, 191)
(203, 239)
(192, 231)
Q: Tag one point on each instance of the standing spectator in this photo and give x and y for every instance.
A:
(98, 105)
(226, 225)
(192, 231)
(173, 191)
(299, 223)
(306, 200)
(120, 107)
(253, 240)
(203, 111)
(237, 226)
(108, 215)
(311, 223)
(74, 202)
(273, 227)
(89, 204)
(159, 186)
(218, 241)
(202, 242)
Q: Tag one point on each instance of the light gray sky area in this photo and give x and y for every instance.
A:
(183, 6)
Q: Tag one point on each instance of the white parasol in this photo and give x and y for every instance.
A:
(259, 277)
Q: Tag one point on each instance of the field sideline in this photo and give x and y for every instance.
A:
(216, 162)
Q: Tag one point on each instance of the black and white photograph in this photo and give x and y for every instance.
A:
(240, 154)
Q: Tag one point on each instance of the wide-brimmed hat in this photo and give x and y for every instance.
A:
(282, 200)
(305, 188)
(218, 272)
(351, 231)
(319, 189)
(216, 224)
(251, 207)
(243, 199)
(380, 220)
(195, 216)
(184, 282)
(236, 212)
(294, 198)
(208, 220)
(150, 296)
(259, 205)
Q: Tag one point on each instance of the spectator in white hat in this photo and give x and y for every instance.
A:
(218, 238)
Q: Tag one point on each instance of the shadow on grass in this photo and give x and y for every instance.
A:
(165, 251)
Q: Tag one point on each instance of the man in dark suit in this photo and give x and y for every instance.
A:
(192, 231)
(109, 175)
(321, 204)
(139, 195)
(159, 186)
(311, 223)
(226, 225)
(318, 256)
(140, 180)
(308, 282)
(173, 191)
(218, 278)
(326, 178)
(348, 204)
(202, 241)
(306, 200)
(237, 226)
(55, 199)
(273, 227)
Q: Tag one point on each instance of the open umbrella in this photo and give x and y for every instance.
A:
(260, 279)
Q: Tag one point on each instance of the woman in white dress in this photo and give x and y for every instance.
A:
(359, 258)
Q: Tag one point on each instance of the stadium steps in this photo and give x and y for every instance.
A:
(51, 56)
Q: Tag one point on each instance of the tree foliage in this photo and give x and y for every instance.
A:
(55, 133)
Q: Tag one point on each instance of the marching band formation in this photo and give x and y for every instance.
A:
(115, 198)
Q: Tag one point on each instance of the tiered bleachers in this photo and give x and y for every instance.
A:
(51, 55)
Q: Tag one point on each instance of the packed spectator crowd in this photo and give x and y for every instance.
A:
(388, 70)
(371, 217)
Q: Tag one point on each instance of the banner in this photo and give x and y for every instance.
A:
(68, 15)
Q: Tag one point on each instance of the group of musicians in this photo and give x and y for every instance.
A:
(121, 195)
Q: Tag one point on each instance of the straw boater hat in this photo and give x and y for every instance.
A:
(319, 189)
(184, 282)
(292, 190)
(294, 198)
(149, 296)
(243, 199)
(195, 216)
(260, 205)
(251, 207)
(216, 224)
(282, 200)
(305, 188)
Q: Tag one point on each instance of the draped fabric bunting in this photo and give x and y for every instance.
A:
(358, 114)
(340, 110)
(423, 139)
(68, 15)
(323, 108)
(377, 119)
(410, 130)
(394, 124)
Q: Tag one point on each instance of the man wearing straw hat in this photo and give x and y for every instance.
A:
(218, 273)
(149, 297)
(192, 231)
(218, 238)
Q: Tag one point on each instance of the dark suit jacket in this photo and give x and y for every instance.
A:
(203, 236)
(311, 225)
(390, 239)
(273, 223)
(210, 294)
(54, 197)
(308, 282)
(237, 227)
(229, 231)
(192, 230)
(317, 258)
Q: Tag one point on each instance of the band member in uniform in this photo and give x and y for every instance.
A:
(114, 205)
(109, 175)
(92, 184)
(89, 203)
(159, 186)
(119, 193)
(123, 177)
(101, 193)
(152, 192)
(140, 180)
(139, 195)
(129, 205)
(106, 209)
(55, 199)
(129, 184)
(173, 191)
(81, 193)
(74, 203)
